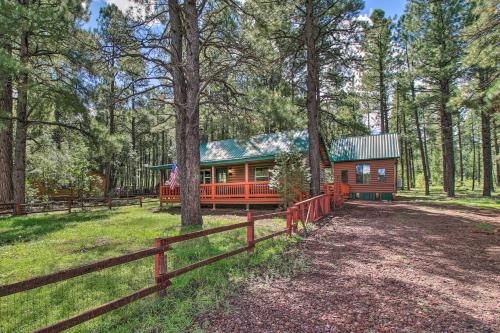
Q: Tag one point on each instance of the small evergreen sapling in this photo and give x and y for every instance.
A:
(290, 176)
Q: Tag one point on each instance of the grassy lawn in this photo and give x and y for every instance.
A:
(464, 197)
(44, 243)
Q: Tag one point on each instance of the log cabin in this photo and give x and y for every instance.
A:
(237, 171)
(367, 164)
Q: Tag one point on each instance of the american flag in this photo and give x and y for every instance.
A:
(173, 176)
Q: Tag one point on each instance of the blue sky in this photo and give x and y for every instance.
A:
(391, 8)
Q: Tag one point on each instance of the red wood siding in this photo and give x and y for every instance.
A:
(375, 186)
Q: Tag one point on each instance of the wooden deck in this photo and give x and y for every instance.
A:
(242, 193)
(228, 193)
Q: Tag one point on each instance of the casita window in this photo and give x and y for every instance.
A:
(381, 175)
(261, 174)
(363, 174)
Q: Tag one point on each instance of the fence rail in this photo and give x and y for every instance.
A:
(306, 211)
(69, 204)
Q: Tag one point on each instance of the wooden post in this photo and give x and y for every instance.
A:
(213, 185)
(140, 201)
(250, 232)
(295, 221)
(289, 219)
(69, 204)
(17, 209)
(110, 203)
(161, 266)
(247, 185)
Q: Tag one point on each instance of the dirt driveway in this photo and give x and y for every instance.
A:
(383, 267)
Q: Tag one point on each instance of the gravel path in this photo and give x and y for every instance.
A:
(383, 267)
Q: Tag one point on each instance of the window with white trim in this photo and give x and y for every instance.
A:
(363, 174)
(205, 176)
(261, 174)
(381, 175)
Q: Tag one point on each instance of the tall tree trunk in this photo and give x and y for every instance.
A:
(384, 122)
(423, 156)
(111, 110)
(497, 150)
(447, 140)
(312, 99)
(5, 132)
(19, 171)
(486, 138)
(459, 132)
(398, 130)
(191, 211)
(427, 154)
(406, 153)
(473, 142)
(186, 98)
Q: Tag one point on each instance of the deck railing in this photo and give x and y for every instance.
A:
(239, 190)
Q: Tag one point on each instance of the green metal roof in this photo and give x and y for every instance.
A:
(371, 147)
(257, 148)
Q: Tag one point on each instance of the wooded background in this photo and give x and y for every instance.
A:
(143, 86)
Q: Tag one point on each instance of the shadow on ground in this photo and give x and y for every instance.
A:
(32, 227)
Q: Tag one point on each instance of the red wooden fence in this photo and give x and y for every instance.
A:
(68, 205)
(307, 211)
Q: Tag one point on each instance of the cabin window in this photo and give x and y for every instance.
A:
(381, 175)
(344, 176)
(363, 174)
(261, 174)
(205, 176)
(221, 175)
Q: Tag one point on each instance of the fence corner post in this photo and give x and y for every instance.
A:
(289, 219)
(250, 232)
(161, 279)
(110, 202)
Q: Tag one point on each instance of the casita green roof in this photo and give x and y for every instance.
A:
(371, 147)
(257, 148)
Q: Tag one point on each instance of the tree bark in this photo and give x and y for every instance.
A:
(384, 119)
(447, 140)
(6, 104)
(486, 138)
(111, 110)
(423, 156)
(497, 151)
(312, 99)
(191, 211)
(186, 98)
(473, 142)
(461, 156)
(19, 170)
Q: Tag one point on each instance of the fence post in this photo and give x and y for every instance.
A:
(69, 204)
(161, 267)
(250, 232)
(110, 203)
(17, 209)
(295, 221)
(140, 201)
(289, 218)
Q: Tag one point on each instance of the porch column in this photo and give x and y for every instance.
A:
(247, 186)
(213, 186)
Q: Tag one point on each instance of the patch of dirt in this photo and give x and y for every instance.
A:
(382, 267)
